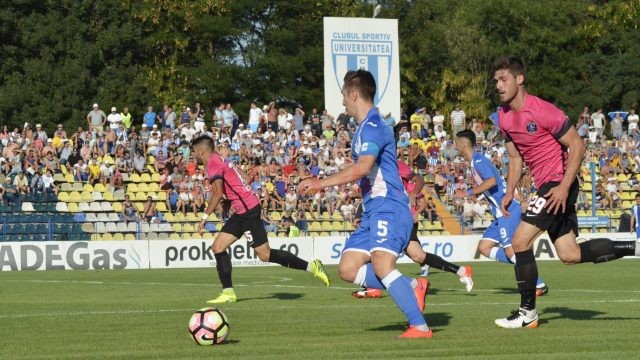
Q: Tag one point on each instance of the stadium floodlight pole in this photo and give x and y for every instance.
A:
(376, 11)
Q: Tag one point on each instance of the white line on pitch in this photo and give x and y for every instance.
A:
(284, 279)
(284, 307)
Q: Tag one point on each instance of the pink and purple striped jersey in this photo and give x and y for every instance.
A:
(235, 189)
(535, 131)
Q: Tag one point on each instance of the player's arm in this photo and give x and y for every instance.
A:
(632, 219)
(217, 193)
(351, 173)
(513, 175)
(486, 184)
(515, 167)
(556, 198)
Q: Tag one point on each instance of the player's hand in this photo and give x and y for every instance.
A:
(201, 226)
(460, 193)
(412, 201)
(309, 185)
(504, 205)
(556, 200)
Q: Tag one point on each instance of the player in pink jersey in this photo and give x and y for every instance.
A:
(413, 185)
(229, 181)
(541, 135)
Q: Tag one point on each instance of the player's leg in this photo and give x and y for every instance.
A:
(257, 237)
(595, 250)
(223, 262)
(526, 277)
(385, 246)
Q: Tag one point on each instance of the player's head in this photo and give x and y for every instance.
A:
(359, 85)
(509, 75)
(638, 198)
(202, 148)
(465, 141)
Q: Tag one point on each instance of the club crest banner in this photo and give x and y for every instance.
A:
(362, 43)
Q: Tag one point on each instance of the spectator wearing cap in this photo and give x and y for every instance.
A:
(187, 131)
(41, 134)
(114, 119)
(96, 118)
(416, 119)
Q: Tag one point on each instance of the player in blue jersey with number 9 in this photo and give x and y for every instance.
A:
(496, 240)
(370, 253)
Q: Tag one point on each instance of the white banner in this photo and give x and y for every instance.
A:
(362, 43)
(163, 254)
(66, 255)
(197, 253)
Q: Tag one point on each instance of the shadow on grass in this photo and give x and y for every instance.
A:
(279, 296)
(507, 291)
(554, 313)
(231, 342)
(433, 319)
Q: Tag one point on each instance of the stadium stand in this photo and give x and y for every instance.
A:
(83, 196)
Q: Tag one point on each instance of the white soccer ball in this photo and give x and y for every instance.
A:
(209, 326)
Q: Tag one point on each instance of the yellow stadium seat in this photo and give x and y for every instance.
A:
(73, 207)
(315, 226)
(275, 216)
(155, 177)
(192, 236)
(108, 196)
(337, 215)
(189, 228)
(162, 196)
(140, 196)
(324, 233)
(151, 160)
(69, 178)
(191, 217)
(153, 186)
(139, 206)
(129, 237)
(118, 236)
(87, 187)
(86, 196)
(143, 187)
(63, 170)
(134, 178)
(99, 187)
(145, 178)
(106, 236)
(208, 236)
(107, 159)
(161, 206)
(63, 196)
(74, 196)
(175, 236)
(587, 186)
(117, 207)
(59, 178)
(131, 188)
(176, 227)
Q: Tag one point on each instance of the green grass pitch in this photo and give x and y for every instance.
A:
(592, 311)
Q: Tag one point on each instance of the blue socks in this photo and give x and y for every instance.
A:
(399, 287)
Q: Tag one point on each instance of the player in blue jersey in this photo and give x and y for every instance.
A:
(496, 240)
(370, 253)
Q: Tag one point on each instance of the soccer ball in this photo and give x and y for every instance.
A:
(209, 326)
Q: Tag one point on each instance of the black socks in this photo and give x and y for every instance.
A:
(437, 262)
(287, 259)
(526, 277)
(223, 265)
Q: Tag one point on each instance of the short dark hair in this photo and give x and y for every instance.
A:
(362, 81)
(637, 195)
(203, 141)
(514, 64)
(467, 134)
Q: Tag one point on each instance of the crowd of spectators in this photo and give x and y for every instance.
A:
(277, 147)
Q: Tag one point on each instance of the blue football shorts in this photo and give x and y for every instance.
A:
(386, 230)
